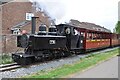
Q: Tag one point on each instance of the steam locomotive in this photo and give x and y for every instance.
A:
(60, 41)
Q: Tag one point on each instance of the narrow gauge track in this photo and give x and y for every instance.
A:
(12, 66)
(8, 67)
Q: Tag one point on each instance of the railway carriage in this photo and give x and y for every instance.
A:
(95, 39)
(115, 39)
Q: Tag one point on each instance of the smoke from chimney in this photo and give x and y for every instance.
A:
(54, 9)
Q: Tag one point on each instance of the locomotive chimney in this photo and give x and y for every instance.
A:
(33, 29)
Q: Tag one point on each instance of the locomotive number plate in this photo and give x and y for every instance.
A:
(52, 41)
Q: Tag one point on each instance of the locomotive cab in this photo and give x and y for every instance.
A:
(74, 39)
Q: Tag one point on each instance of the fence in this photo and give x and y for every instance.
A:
(9, 44)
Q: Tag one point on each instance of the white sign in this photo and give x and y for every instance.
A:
(29, 16)
(52, 41)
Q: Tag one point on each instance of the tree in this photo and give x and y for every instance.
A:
(117, 27)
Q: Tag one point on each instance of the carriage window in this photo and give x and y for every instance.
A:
(100, 36)
(105, 36)
(89, 35)
(117, 36)
(94, 37)
(82, 33)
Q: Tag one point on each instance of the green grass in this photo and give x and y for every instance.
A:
(83, 64)
(5, 59)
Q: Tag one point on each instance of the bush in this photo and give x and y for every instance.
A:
(5, 59)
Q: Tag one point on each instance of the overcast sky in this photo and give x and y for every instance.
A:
(101, 12)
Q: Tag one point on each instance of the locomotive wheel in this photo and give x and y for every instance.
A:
(39, 57)
(47, 55)
(66, 54)
(51, 55)
(59, 55)
(62, 54)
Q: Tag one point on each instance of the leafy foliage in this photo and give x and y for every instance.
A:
(117, 27)
(5, 59)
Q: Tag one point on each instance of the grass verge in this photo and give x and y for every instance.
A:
(83, 64)
(5, 59)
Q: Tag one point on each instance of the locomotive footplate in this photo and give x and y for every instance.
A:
(23, 59)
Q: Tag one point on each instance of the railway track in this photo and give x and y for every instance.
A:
(8, 67)
(12, 66)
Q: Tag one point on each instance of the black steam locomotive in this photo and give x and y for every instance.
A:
(59, 41)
